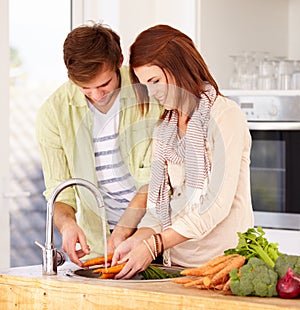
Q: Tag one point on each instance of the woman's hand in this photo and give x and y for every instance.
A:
(118, 235)
(134, 252)
(121, 252)
(138, 259)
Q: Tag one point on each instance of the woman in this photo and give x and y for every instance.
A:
(199, 193)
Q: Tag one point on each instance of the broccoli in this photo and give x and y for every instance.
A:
(254, 278)
(286, 261)
(252, 243)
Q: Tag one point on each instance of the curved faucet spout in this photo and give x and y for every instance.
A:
(49, 252)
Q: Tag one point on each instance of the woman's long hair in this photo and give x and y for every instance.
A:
(175, 53)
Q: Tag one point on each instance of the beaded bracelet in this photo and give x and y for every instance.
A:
(161, 242)
(148, 247)
(155, 244)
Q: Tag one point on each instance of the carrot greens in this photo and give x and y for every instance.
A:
(253, 243)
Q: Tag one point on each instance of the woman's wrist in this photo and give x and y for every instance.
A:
(155, 245)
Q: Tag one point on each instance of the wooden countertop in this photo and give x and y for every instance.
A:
(27, 288)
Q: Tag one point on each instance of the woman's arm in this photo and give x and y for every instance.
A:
(227, 135)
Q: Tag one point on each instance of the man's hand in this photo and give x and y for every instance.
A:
(72, 235)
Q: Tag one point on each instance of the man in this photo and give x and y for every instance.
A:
(92, 128)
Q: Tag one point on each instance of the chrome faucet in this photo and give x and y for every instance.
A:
(51, 256)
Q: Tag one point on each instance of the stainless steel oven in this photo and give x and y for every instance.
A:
(274, 123)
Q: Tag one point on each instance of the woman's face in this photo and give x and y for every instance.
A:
(160, 85)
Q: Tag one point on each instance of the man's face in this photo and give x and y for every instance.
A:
(102, 89)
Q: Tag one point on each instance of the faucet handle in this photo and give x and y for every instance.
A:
(60, 257)
(39, 245)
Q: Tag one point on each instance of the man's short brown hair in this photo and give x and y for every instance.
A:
(88, 48)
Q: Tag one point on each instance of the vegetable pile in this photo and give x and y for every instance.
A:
(263, 270)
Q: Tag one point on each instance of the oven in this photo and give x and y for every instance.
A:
(274, 123)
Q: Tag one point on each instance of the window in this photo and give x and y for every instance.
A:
(37, 30)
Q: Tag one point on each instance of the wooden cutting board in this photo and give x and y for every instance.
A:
(26, 288)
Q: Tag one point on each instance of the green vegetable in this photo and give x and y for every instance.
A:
(284, 262)
(254, 278)
(153, 272)
(252, 243)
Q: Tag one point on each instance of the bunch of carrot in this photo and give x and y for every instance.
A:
(105, 273)
(212, 275)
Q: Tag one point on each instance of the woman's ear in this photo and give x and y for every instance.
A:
(121, 61)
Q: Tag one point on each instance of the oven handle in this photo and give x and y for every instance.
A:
(274, 125)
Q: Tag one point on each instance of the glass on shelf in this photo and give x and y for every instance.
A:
(262, 71)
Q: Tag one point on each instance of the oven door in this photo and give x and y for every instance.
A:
(275, 174)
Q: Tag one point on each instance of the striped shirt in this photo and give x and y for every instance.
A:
(112, 174)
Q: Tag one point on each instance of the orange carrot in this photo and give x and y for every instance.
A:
(220, 259)
(201, 286)
(98, 260)
(114, 269)
(196, 281)
(210, 267)
(207, 281)
(182, 280)
(107, 276)
(235, 262)
(227, 286)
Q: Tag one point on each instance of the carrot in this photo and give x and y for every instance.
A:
(196, 272)
(98, 260)
(220, 259)
(114, 269)
(201, 286)
(207, 281)
(195, 282)
(219, 287)
(227, 286)
(235, 262)
(182, 280)
(107, 276)
(216, 268)
(210, 267)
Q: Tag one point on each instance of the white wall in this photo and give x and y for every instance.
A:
(293, 29)
(128, 18)
(228, 27)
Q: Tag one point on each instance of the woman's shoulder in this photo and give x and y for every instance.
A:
(225, 105)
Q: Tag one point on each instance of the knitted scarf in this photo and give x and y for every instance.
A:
(190, 150)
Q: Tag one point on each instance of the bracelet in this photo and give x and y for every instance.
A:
(161, 243)
(148, 247)
(155, 244)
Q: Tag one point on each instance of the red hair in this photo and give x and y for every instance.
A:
(175, 53)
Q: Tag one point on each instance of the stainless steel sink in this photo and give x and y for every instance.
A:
(88, 273)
